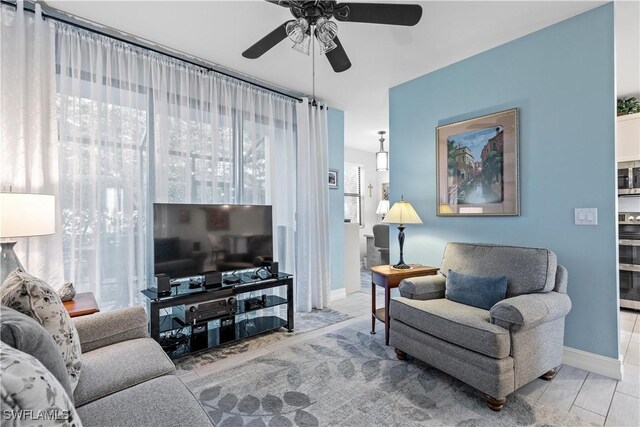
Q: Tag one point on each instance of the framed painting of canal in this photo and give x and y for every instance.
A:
(477, 166)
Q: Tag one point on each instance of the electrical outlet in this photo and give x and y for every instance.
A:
(586, 216)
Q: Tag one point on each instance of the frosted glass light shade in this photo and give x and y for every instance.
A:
(383, 207)
(382, 161)
(402, 213)
(304, 46)
(24, 215)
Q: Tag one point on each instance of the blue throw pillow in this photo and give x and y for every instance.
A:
(477, 291)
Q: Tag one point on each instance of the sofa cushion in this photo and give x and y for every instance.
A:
(32, 391)
(33, 297)
(528, 270)
(476, 291)
(163, 401)
(27, 335)
(119, 366)
(460, 324)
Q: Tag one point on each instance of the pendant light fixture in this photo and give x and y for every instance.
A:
(382, 157)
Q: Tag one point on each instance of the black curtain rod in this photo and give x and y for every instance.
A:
(28, 7)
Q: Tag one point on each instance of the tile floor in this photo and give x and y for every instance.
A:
(594, 398)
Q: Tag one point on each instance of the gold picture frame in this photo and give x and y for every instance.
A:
(477, 166)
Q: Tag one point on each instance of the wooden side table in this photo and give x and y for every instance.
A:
(82, 304)
(389, 278)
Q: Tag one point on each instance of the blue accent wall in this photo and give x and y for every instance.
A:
(562, 80)
(336, 198)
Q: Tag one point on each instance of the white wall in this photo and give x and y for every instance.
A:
(373, 177)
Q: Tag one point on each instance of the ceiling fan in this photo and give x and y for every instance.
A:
(318, 13)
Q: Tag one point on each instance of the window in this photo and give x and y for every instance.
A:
(353, 183)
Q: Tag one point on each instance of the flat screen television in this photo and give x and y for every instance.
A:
(189, 239)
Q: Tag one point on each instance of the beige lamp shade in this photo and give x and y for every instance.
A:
(24, 215)
(402, 213)
(383, 207)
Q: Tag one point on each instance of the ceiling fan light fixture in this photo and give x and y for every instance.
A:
(296, 30)
(304, 46)
(327, 46)
(326, 30)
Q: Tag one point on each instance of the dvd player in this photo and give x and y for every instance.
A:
(194, 313)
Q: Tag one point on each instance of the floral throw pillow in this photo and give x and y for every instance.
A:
(33, 297)
(31, 395)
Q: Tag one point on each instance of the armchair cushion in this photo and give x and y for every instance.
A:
(423, 287)
(460, 324)
(528, 311)
(102, 329)
(476, 291)
(528, 270)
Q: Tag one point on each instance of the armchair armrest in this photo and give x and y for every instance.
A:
(103, 329)
(528, 311)
(423, 287)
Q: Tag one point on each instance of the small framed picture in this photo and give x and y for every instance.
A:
(333, 178)
(385, 191)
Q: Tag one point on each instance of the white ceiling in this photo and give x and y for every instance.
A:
(382, 56)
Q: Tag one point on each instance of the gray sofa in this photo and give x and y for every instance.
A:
(495, 351)
(126, 377)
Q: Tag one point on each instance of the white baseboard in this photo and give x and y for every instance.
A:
(602, 365)
(338, 294)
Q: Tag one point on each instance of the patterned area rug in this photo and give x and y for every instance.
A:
(350, 378)
(303, 322)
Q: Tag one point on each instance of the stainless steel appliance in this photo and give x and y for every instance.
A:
(629, 178)
(629, 249)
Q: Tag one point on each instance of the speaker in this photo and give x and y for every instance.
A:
(163, 285)
(272, 266)
(273, 269)
(227, 329)
(199, 336)
(212, 279)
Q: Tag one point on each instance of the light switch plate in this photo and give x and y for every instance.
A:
(586, 216)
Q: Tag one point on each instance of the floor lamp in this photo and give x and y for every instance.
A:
(402, 213)
(22, 215)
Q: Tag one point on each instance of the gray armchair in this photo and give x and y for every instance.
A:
(381, 241)
(495, 351)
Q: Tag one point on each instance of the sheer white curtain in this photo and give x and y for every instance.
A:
(313, 273)
(28, 137)
(218, 140)
(137, 127)
(103, 119)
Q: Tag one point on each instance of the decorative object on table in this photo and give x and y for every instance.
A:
(383, 208)
(477, 166)
(333, 178)
(35, 298)
(402, 213)
(382, 156)
(67, 292)
(23, 215)
(628, 106)
(385, 191)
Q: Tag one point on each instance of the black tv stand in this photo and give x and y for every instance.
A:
(179, 338)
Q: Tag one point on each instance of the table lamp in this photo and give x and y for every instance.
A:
(402, 213)
(22, 215)
(383, 208)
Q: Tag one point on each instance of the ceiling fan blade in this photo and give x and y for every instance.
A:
(338, 57)
(267, 42)
(379, 13)
(283, 3)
